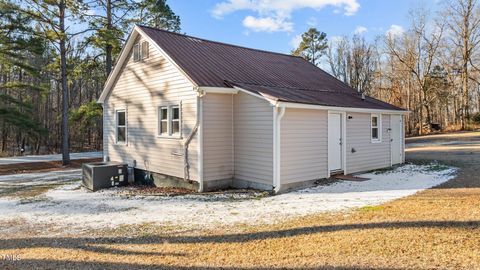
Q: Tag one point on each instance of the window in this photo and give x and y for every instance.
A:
(169, 124)
(144, 51)
(121, 126)
(175, 120)
(163, 123)
(136, 52)
(376, 128)
(140, 51)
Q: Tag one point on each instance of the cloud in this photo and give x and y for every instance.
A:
(360, 30)
(395, 31)
(275, 15)
(296, 40)
(267, 24)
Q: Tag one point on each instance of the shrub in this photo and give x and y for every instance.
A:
(476, 118)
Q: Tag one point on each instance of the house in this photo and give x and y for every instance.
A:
(208, 115)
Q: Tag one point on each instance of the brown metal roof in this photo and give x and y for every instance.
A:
(282, 77)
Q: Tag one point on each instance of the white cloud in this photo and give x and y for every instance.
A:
(295, 42)
(267, 24)
(275, 15)
(395, 30)
(360, 30)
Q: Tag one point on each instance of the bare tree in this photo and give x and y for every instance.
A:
(463, 20)
(417, 50)
(353, 61)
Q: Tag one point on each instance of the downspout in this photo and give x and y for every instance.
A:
(186, 171)
(278, 115)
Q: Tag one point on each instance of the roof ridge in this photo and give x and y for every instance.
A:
(297, 88)
(218, 42)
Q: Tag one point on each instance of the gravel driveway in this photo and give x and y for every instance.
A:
(460, 149)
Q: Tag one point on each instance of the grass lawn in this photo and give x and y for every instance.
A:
(437, 228)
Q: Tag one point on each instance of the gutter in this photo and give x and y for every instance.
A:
(343, 109)
(196, 129)
(278, 113)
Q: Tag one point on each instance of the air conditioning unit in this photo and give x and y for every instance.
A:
(100, 175)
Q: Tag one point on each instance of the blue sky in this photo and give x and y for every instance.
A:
(275, 25)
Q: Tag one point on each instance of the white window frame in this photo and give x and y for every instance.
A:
(169, 134)
(159, 125)
(143, 54)
(172, 120)
(138, 51)
(378, 127)
(117, 126)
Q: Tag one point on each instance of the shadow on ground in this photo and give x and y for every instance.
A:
(93, 244)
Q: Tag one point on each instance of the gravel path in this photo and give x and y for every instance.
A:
(46, 158)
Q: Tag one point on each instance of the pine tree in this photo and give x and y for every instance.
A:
(158, 14)
(21, 77)
(52, 17)
(313, 45)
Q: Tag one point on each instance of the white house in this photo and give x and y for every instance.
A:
(208, 115)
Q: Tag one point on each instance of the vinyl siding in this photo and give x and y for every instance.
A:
(217, 137)
(368, 155)
(140, 88)
(304, 145)
(253, 139)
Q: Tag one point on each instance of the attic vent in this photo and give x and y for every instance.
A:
(194, 39)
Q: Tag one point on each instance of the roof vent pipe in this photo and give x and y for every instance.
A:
(363, 96)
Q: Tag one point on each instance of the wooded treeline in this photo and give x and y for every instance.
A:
(55, 56)
(431, 68)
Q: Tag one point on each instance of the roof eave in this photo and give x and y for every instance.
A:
(338, 108)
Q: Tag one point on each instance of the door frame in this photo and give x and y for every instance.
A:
(343, 126)
(402, 152)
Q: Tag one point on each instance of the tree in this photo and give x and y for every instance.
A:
(158, 14)
(52, 16)
(353, 62)
(463, 20)
(313, 45)
(110, 23)
(19, 50)
(416, 50)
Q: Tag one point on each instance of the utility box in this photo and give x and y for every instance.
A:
(100, 175)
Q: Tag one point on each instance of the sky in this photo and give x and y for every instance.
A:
(276, 25)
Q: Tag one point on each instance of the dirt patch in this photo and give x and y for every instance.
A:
(44, 166)
(146, 190)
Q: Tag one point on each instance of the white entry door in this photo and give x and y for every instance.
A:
(335, 141)
(396, 126)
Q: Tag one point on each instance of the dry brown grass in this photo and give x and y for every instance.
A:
(437, 228)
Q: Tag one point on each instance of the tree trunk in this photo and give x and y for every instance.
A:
(109, 48)
(63, 67)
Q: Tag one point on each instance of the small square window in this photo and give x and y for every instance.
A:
(169, 123)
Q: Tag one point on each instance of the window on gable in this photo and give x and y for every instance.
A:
(140, 51)
(375, 128)
(121, 126)
(169, 123)
(144, 51)
(136, 52)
